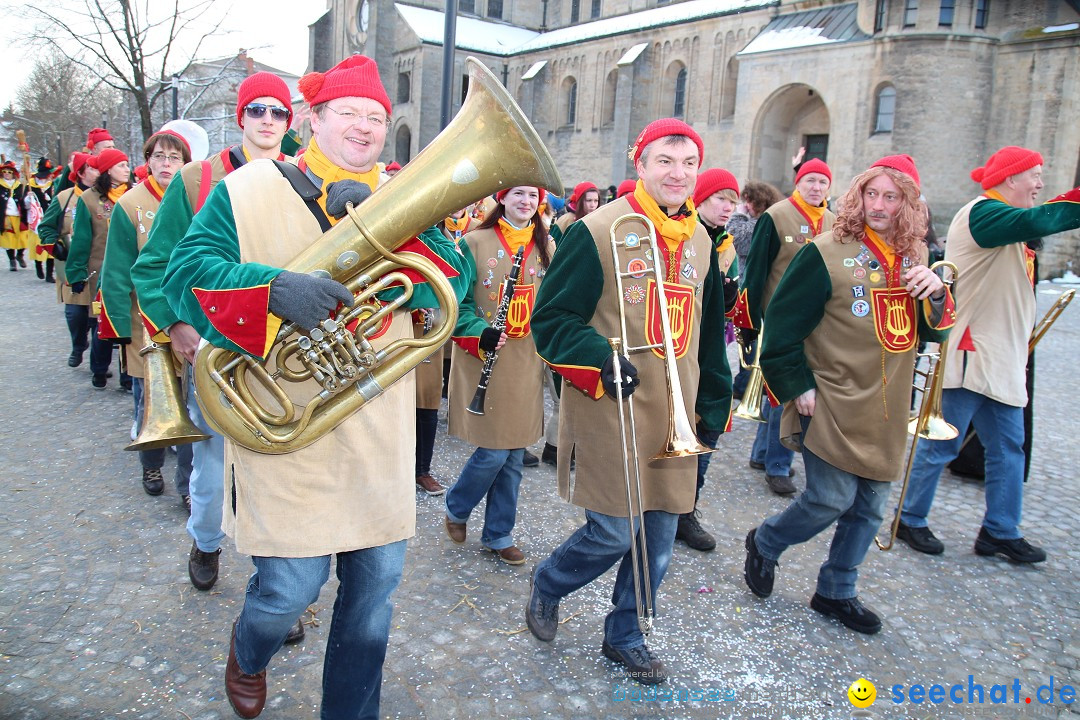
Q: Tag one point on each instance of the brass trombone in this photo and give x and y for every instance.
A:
(750, 406)
(681, 439)
(929, 423)
(1050, 318)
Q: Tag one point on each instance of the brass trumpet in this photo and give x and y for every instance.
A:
(750, 406)
(165, 419)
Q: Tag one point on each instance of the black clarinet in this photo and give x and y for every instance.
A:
(476, 407)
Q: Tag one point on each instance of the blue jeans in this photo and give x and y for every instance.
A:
(280, 591)
(154, 459)
(710, 438)
(207, 485)
(497, 475)
(80, 326)
(1001, 430)
(767, 449)
(597, 545)
(856, 504)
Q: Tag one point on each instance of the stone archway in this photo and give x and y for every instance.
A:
(403, 145)
(793, 116)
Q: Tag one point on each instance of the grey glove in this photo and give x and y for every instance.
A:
(305, 299)
(345, 191)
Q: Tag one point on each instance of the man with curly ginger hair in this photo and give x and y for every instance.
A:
(839, 349)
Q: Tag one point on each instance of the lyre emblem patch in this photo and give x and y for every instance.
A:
(519, 314)
(894, 318)
(680, 301)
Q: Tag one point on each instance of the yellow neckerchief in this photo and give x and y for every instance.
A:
(78, 191)
(884, 249)
(726, 241)
(455, 226)
(329, 173)
(673, 231)
(10, 184)
(813, 213)
(155, 186)
(42, 183)
(117, 192)
(515, 237)
(995, 195)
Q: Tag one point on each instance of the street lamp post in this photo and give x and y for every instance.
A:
(175, 96)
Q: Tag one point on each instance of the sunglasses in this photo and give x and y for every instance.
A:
(257, 110)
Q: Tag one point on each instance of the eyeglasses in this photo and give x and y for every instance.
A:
(257, 110)
(352, 117)
(162, 157)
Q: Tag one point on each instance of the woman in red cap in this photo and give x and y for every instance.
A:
(514, 405)
(584, 199)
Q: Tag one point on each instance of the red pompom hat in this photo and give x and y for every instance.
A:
(1007, 161)
(107, 158)
(355, 76)
(393, 166)
(502, 193)
(97, 135)
(662, 128)
(813, 165)
(580, 189)
(626, 187)
(261, 84)
(713, 181)
(901, 163)
(78, 162)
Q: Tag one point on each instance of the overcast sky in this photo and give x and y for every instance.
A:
(274, 31)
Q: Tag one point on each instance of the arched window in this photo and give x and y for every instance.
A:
(403, 145)
(731, 85)
(611, 85)
(886, 109)
(679, 108)
(570, 100)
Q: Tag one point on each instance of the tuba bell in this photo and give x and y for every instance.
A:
(489, 145)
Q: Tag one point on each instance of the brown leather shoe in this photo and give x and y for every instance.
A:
(429, 484)
(456, 531)
(246, 693)
(510, 555)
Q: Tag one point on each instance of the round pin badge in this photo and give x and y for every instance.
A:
(631, 240)
(637, 268)
(875, 277)
(859, 273)
(492, 262)
(860, 308)
(634, 294)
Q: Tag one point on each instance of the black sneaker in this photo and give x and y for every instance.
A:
(530, 460)
(550, 456)
(920, 538)
(691, 532)
(849, 611)
(98, 381)
(202, 567)
(758, 570)
(542, 616)
(1018, 550)
(75, 359)
(640, 663)
(296, 633)
(152, 481)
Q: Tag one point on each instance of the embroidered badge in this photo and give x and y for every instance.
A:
(849, 262)
(804, 228)
(875, 277)
(689, 272)
(493, 296)
(648, 253)
(632, 240)
(875, 265)
(859, 273)
(858, 291)
(492, 262)
(859, 308)
(863, 256)
(788, 238)
(634, 294)
(636, 268)
(894, 318)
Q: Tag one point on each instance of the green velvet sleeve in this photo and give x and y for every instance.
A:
(713, 401)
(447, 250)
(82, 238)
(49, 227)
(469, 322)
(171, 223)
(796, 308)
(764, 247)
(994, 223)
(121, 249)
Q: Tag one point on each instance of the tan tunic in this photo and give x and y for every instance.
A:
(99, 222)
(140, 205)
(514, 405)
(996, 307)
(591, 427)
(63, 290)
(564, 221)
(794, 231)
(725, 257)
(429, 375)
(354, 487)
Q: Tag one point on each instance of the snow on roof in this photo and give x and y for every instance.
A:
(502, 39)
(482, 36)
(820, 26)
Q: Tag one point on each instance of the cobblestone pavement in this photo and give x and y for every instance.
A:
(98, 620)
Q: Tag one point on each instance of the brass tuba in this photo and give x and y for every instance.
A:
(489, 145)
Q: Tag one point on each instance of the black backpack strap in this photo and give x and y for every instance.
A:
(306, 189)
(236, 155)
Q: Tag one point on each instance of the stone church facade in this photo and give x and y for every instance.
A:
(947, 81)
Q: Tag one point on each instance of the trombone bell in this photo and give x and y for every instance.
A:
(165, 419)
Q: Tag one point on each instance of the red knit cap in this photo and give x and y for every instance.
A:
(107, 158)
(813, 165)
(713, 181)
(502, 193)
(9, 165)
(580, 189)
(626, 187)
(355, 76)
(393, 166)
(261, 84)
(78, 163)
(97, 135)
(901, 163)
(662, 128)
(140, 172)
(1006, 162)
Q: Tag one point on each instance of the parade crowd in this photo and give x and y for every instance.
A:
(158, 257)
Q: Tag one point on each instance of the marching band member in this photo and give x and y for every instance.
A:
(576, 312)
(292, 511)
(41, 184)
(841, 335)
(985, 378)
(780, 233)
(584, 199)
(514, 406)
(13, 233)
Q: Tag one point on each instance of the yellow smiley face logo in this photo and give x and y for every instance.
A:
(862, 693)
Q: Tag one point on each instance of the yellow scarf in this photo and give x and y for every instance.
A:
(995, 195)
(328, 172)
(815, 213)
(673, 231)
(455, 226)
(117, 192)
(515, 237)
(155, 186)
(883, 247)
(725, 242)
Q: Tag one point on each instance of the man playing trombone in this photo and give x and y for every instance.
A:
(839, 347)
(579, 310)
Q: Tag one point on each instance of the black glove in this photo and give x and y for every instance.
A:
(78, 287)
(489, 338)
(345, 191)
(629, 377)
(746, 336)
(731, 291)
(305, 299)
